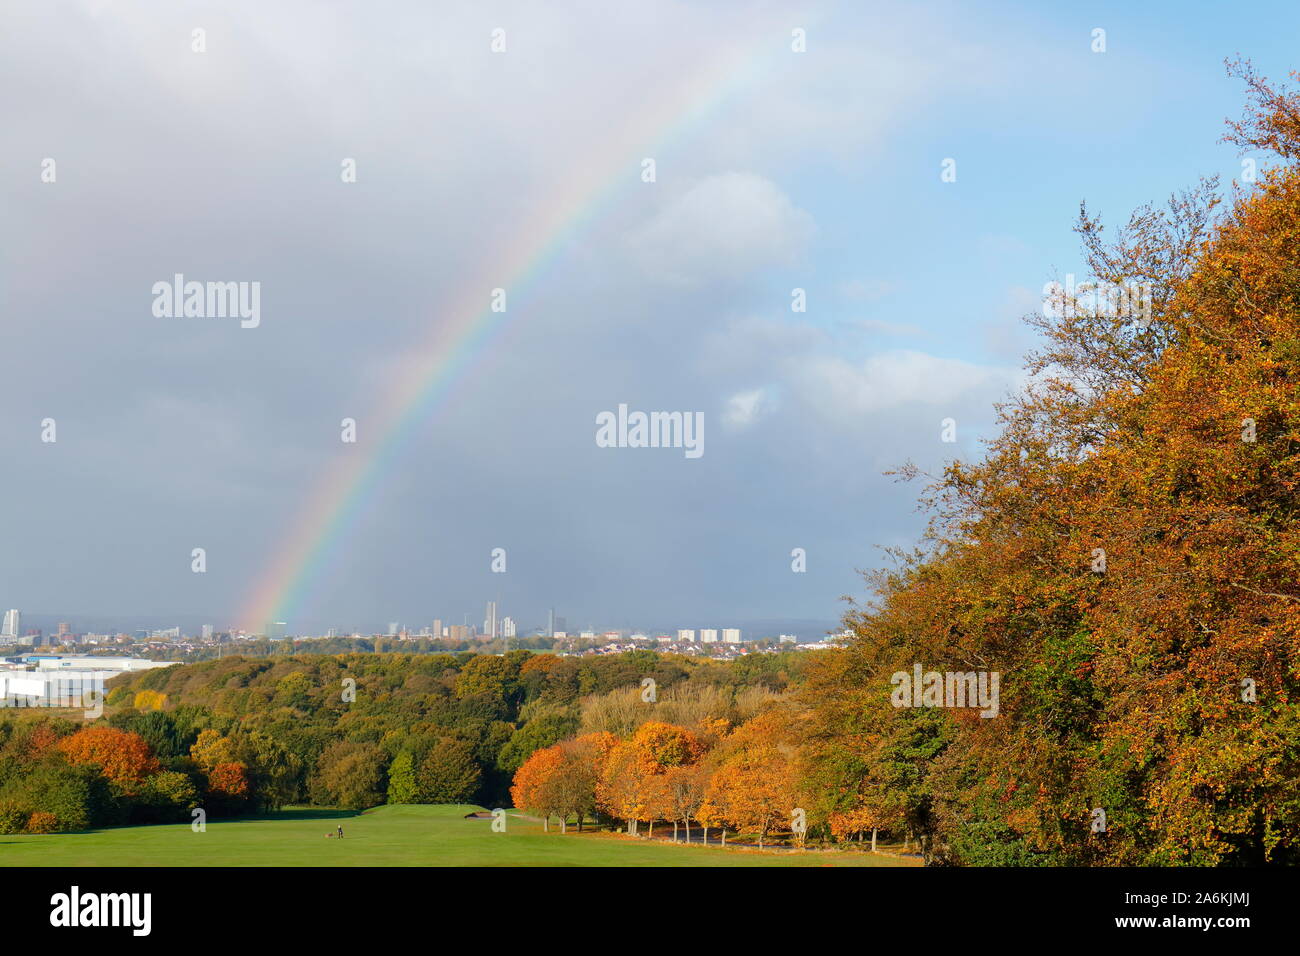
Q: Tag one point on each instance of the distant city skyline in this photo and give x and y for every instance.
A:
(195, 626)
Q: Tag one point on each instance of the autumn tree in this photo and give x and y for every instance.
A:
(755, 785)
(274, 772)
(124, 758)
(148, 700)
(577, 776)
(621, 791)
(534, 787)
(684, 789)
(635, 779)
(212, 748)
(229, 789)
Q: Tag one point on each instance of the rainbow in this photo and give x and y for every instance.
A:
(468, 327)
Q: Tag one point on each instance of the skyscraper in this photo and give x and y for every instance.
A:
(507, 627)
(490, 621)
(731, 635)
(13, 624)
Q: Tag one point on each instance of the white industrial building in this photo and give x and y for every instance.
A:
(46, 681)
(88, 662)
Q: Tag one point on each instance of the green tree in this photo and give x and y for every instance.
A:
(79, 797)
(276, 773)
(351, 775)
(403, 785)
(167, 796)
(491, 676)
(542, 732)
(449, 773)
(295, 690)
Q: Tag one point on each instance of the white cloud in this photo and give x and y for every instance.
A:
(894, 379)
(725, 227)
(745, 408)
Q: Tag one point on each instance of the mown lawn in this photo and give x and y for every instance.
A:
(384, 836)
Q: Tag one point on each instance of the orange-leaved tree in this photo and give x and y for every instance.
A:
(756, 784)
(536, 784)
(124, 758)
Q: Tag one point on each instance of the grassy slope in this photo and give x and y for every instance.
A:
(385, 836)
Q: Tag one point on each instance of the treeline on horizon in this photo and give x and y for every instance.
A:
(265, 647)
(379, 644)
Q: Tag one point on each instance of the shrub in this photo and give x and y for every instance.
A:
(42, 822)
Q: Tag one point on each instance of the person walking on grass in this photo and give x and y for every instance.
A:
(340, 831)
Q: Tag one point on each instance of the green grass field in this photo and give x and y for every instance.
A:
(385, 836)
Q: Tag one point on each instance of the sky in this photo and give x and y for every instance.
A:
(523, 169)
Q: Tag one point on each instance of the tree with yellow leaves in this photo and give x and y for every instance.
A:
(756, 784)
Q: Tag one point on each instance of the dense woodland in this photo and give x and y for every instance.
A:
(265, 647)
(242, 735)
(1125, 555)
